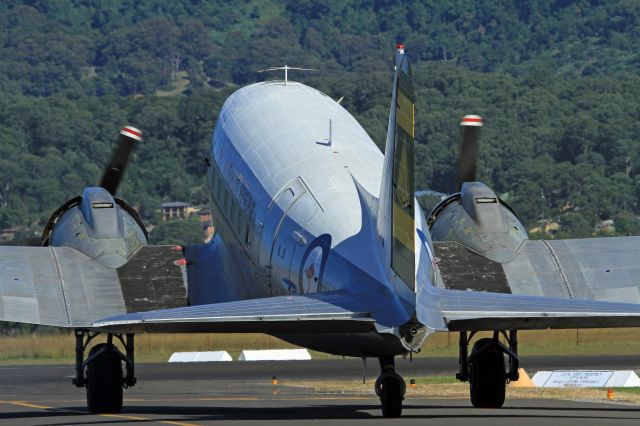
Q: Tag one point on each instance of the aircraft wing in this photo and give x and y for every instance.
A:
(581, 283)
(606, 269)
(318, 312)
(62, 287)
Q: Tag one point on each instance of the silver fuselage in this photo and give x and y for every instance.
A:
(284, 162)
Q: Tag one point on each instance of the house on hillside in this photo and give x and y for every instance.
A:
(177, 210)
(605, 227)
(545, 226)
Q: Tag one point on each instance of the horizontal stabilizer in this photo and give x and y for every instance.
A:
(320, 312)
(456, 310)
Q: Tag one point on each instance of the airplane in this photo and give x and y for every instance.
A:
(321, 242)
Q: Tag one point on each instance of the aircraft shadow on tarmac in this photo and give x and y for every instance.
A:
(326, 412)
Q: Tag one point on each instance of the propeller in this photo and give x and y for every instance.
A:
(468, 158)
(113, 174)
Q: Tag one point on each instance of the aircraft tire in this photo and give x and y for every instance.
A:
(487, 379)
(391, 395)
(104, 382)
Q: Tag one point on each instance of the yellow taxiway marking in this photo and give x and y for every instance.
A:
(25, 404)
(227, 398)
(122, 416)
(146, 419)
(114, 416)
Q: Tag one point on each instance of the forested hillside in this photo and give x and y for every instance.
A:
(556, 81)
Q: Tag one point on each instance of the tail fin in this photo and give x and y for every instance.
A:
(395, 219)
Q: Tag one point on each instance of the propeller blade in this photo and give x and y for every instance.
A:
(467, 161)
(113, 174)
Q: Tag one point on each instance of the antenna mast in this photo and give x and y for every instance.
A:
(286, 69)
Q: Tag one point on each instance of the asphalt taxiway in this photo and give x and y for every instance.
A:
(242, 393)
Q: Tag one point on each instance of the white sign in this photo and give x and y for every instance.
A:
(275, 355)
(572, 378)
(200, 356)
(624, 379)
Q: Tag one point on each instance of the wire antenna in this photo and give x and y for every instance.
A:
(286, 69)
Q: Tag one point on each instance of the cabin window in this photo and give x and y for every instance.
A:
(211, 179)
(246, 233)
(226, 204)
(240, 228)
(214, 179)
(219, 190)
(240, 223)
(234, 213)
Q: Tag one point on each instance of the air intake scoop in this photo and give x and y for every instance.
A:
(481, 204)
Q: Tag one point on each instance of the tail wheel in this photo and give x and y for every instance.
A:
(104, 381)
(487, 377)
(391, 388)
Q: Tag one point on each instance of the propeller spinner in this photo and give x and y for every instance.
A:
(113, 174)
(468, 158)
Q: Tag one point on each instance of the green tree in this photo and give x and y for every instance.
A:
(183, 232)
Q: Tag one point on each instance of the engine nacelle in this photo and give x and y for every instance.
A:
(99, 225)
(478, 219)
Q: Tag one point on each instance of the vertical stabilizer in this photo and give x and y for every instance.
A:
(395, 218)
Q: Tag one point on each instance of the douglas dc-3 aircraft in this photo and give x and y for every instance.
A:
(321, 242)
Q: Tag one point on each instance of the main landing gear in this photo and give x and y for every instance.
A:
(390, 388)
(484, 369)
(104, 377)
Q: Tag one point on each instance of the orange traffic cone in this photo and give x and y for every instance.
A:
(524, 381)
(610, 394)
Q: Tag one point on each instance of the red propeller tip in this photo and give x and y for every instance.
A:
(471, 120)
(131, 132)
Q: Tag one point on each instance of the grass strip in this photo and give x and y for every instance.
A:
(59, 348)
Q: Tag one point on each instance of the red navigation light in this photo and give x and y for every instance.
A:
(400, 45)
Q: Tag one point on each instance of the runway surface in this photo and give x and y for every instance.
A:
(242, 393)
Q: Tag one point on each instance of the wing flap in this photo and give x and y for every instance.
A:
(320, 312)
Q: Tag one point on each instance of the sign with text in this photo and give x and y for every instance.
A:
(578, 379)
